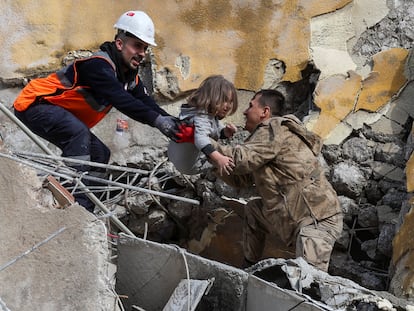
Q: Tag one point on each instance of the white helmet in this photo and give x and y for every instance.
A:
(139, 24)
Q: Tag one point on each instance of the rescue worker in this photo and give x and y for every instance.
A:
(64, 106)
(296, 200)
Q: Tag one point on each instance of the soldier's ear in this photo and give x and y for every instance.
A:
(266, 111)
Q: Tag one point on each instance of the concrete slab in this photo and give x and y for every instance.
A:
(149, 272)
(50, 259)
(261, 295)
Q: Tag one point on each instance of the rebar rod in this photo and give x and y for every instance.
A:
(101, 180)
(90, 163)
(34, 247)
(91, 196)
(25, 129)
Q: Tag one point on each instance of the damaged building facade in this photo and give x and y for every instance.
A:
(345, 68)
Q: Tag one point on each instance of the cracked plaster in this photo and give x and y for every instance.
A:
(332, 34)
(340, 96)
(230, 37)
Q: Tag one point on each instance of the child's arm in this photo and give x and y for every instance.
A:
(223, 163)
(203, 131)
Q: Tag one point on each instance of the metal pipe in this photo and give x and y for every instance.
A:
(29, 133)
(90, 195)
(73, 177)
(90, 163)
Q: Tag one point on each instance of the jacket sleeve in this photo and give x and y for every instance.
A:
(100, 76)
(236, 181)
(202, 132)
(140, 92)
(253, 154)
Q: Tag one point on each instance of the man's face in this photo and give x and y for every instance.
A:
(133, 51)
(254, 114)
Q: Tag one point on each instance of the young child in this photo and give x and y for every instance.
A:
(212, 101)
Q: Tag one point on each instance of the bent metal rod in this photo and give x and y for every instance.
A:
(90, 195)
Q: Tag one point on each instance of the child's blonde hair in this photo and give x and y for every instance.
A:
(212, 93)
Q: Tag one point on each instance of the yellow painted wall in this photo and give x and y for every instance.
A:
(230, 37)
(338, 96)
(235, 38)
(36, 34)
(403, 244)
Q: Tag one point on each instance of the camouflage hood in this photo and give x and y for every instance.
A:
(312, 140)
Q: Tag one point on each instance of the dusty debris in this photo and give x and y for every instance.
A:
(336, 292)
(374, 204)
(187, 294)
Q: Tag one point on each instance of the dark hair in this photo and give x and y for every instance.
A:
(123, 35)
(212, 93)
(273, 99)
(120, 34)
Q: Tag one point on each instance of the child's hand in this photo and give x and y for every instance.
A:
(223, 163)
(229, 130)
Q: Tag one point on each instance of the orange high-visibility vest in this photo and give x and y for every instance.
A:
(58, 90)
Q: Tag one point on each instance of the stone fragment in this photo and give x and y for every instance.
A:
(140, 203)
(348, 180)
(370, 247)
(386, 78)
(358, 150)
(368, 217)
(349, 208)
(385, 238)
(391, 153)
(391, 172)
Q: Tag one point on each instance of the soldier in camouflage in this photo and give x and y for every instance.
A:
(280, 158)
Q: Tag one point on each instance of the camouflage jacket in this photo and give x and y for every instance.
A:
(280, 159)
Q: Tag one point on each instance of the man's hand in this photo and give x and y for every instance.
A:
(168, 125)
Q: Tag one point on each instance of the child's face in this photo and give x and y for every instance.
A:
(224, 109)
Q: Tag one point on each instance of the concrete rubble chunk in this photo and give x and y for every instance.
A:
(387, 126)
(58, 261)
(391, 172)
(348, 179)
(180, 300)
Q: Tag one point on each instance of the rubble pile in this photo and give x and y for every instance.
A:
(366, 170)
(395, 30)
